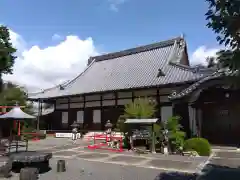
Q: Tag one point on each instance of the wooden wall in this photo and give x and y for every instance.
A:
(94, 110)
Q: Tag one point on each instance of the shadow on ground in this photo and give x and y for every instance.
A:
(218, 172)
(210, 172)
(175, 176)
(16, 168)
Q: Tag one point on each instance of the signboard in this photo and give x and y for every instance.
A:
(66, 135)
(141, 134)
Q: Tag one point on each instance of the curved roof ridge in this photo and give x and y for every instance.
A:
(216, 74)
(182, 66)
(82, 73)
(138, 49)
(66, 83)
(48, 89)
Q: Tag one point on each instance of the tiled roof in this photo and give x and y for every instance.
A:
(217, 74)
(145, 66)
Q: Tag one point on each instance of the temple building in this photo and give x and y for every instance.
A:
(160, 71)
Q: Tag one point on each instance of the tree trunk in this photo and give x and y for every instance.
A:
(1, 83)
(131, 142)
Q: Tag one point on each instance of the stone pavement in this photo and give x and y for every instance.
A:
(86, 170)
(225, 164)
(83, 163)
(161, 162)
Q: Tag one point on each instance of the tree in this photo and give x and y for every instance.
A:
(140, 108)
(211, 62)
(175, 134)
(7, 51)
(224, 19)
(13, 94)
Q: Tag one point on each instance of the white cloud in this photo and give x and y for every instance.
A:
(40, 68)
(114, 4)
(200, 54)
(17, 41)
(56, 37)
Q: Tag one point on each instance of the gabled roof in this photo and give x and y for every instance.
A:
(145, 66)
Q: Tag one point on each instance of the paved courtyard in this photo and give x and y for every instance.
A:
(160, 162)
(225, 164)
(85, 170)
(83, 163)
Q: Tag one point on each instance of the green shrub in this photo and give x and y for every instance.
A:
(124, 145)
(175, 133)
(33, 133)
(200, 145)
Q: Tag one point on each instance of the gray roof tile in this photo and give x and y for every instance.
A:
(133, 68)
(197, 85)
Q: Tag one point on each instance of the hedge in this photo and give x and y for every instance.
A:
(200, 145)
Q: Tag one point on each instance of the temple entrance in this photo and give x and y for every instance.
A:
(88, 118)
(220, 116)
(221, 124)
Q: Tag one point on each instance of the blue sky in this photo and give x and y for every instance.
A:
(112, 24)
(135, 22)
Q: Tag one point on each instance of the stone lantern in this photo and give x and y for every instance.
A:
(74, 126)
(165, 141)
(108, 127)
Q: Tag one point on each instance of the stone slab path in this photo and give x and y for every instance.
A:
(225, 164)
(161, 162)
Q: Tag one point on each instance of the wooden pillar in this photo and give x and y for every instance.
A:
(116, 98)
(84, 112)
(84, 101)
(153, 139)
(69, 117)
(192, 119)
(39, 113)
(41, 107)
(199, 122)
(101, 109)
(132, 96)
(158, 104)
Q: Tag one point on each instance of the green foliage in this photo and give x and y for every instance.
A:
(212, 62)
(200, 145)
(26, 130)
(7, 51)
(176, 135)
(223, 18)
(140, 108)
(120, 126)
(13, 94)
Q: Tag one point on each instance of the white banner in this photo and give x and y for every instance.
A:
(66, 135)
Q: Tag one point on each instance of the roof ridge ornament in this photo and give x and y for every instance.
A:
(160, 73)
(61, 87)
